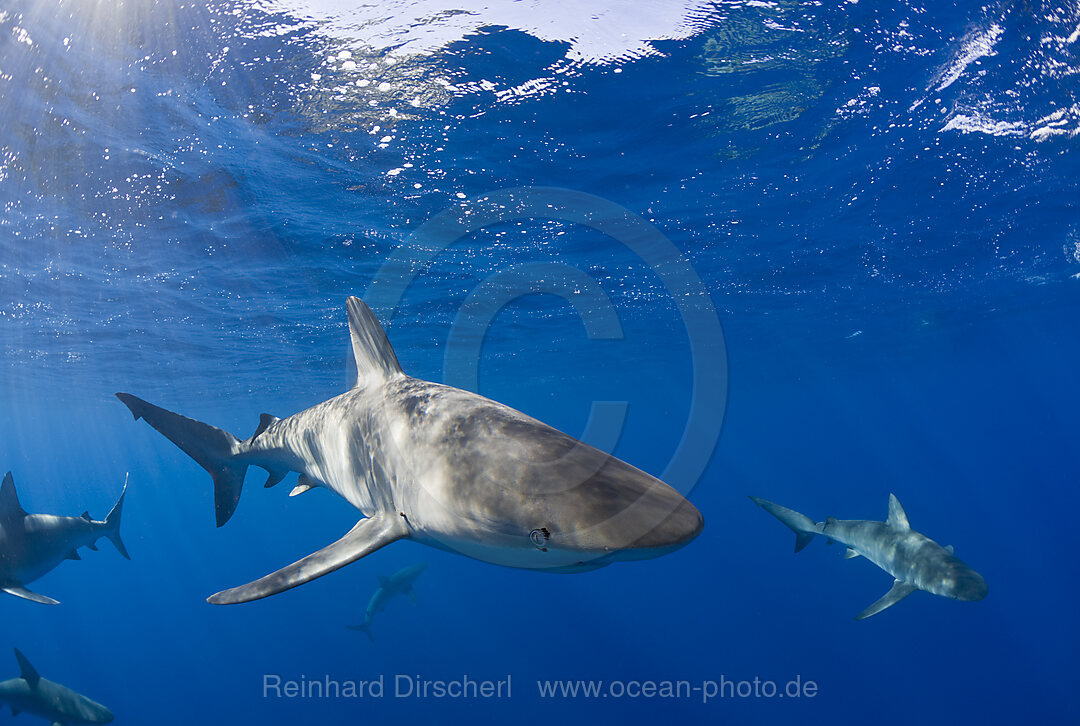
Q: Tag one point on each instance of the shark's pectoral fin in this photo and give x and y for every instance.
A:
(19, 591)
(412, 595)
(898, 592)
(367, 536)
(850, 553)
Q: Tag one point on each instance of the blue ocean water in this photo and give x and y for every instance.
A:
(880, 201)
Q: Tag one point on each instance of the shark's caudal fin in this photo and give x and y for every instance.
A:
(112, 524)
(803, 527)
(364, 627)
(367, 536)
(213, 449)
(374, 355)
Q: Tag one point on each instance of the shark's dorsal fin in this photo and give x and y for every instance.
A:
(9, 500)
(27, 672)
(897, 515)
(265, 421)
(87, 517)
(372, 350)
(73, 555)
(384, 581)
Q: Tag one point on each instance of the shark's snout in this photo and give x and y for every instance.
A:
(970, 587)
(668, 533)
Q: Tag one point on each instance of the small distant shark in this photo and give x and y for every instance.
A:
(441, 466)
(33, 544)
(41, 697)
(916, 561)
(400, 583)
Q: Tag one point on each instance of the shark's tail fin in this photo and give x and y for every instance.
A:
(364, 627)
(803, 527)
(213, 449)
(112, 524)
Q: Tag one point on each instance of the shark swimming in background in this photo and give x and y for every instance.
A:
(441, 466)
(400, 583)
(33, 544)
(913, 559)
(59, 704)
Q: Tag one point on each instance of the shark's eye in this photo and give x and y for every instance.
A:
(540, 538)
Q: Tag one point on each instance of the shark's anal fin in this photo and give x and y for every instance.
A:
(27, 672)
(898, 592)
(20, 591)
(367, 536)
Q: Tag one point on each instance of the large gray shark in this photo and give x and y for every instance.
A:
(41, 697)
(441, 466)
(913, 559)
(33, 544)
(400, 583)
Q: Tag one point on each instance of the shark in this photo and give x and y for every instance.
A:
(915, 561)
(400, 583)
(33, 544)
(56, 703)
(441, 466)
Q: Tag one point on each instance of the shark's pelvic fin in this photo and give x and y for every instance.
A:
(367, 536)
(27, 672)
(20, 591)
(898, 592)
(897, 515)
(212, 448)
(9, 500)
(304, 483)
(803, 527)
(374, 355)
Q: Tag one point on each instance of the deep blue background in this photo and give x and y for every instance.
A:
(899, 302)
